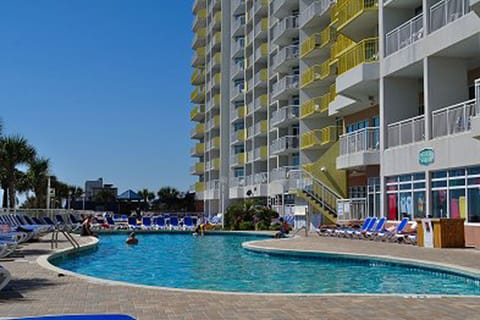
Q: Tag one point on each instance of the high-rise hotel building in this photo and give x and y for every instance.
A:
(353, 108)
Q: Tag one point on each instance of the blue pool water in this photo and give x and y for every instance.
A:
(218, 262)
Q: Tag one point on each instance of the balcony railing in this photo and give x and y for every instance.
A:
(199, 130)
(351, 9)
(260, 127)
(287, 23)
(197, 112)
(261, 102)
(261, 51)
(261, 26)
(260, 153)
(199, 148)
(315, 9)
(453, 119)
(446, 11)
(237, 24)
(260, 77)
(316, 105)
(366, 51)
(236, 4)
(238, 159)
(406, 131)
(363, 140)
(286, 83)
(213, 143)
(284, 114)
(340, 46)
(281, 173)
(318, 137)
(213, 185)
(197, 168)
(238, 135)
(404, 35)
(259, 4)
(213, 123)
(237, 181)
(258, 178)
(285, 54)
(283, 144)
(352, 209)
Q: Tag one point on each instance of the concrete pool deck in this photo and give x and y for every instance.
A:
(35, 290)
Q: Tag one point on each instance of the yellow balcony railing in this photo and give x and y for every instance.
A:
(351, 9)
(196, 111)
(318, 137)
(241, 135)
(218, 17)
(199, 148)
(198, 76)
(366, 51)
(317, 40)
(310, 75)
(199, 130)
(217, 58)
(315, 105)
(216, 143)
(217, 37)
(241, 158)
(217, 78)
(197, 95)
(199, 168)
(242, 112)
(333, 92)
(216, 164)
(341, 44)
(201, 33)
(262, 100)
(199, 187)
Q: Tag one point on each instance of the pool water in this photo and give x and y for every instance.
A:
(218, 262)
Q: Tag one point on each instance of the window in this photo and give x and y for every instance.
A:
(238, 172)
(405, 198)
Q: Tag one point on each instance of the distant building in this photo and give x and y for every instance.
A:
(94, 187)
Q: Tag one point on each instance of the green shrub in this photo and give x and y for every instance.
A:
(246, 225)
(262, 226)
(275, 227)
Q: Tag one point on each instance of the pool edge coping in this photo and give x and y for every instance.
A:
(44, 262)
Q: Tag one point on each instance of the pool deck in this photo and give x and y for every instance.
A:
(35, 290)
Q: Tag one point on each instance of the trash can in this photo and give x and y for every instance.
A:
(441, 233)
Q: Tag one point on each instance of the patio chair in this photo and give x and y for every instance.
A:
(391, 235)
(361, 233)
(159, 222)
(348, 231)
(147, 223)
(132, 223)
(379, 227)
(174, 225)
(4, 277)
(188, 223)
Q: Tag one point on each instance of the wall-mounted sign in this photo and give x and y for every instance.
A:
(426, 156)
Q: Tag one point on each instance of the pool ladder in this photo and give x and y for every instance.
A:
(59, 229)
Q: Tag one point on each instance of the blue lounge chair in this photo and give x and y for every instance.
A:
(159, 222)
(391, 235)
(147, 223)
(110, 221)
(358, 234)
(74, 219)
(174, 223)
(81, 317)
(132, 223)
(188, 223)
(348, 231)
(379, 227)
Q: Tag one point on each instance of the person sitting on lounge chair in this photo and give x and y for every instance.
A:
(131, 239)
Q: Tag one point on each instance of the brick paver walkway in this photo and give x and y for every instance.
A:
(38, 291)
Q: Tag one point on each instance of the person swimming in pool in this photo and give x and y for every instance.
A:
(131, 239)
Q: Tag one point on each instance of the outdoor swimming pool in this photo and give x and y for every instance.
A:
(218, 262)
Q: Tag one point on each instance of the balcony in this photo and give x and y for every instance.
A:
(198, 59)
(258, 178)
(216, 41)
(238, 113)
(238, 7)
(359, 149)
(285, 59)
(198, 77)
(260, 7)
(238, 159)
(284, 30)
(285, 116)
(198, 132)
(288, 85)
(238, 93)
(366, 51)
(318, 75)
(213, 144)
(197, 113)
(238, 27)
(199, 187)
(340, 46)
(404, 35)
(198, 5)
(317, 45)
(238, 71)
(213, 123)
(197, 95)
(200, 20)
(216, 61)
(280, 8)
(260, 128)
(238, 136)
(199, 38)
(213, 165)
(447, 11)
(316, 14)
(260, 29)
(197, 150)
(198, 169)
(260, 78)
(261, 102)
(406, 131)
(453, 119)
(261, 53)
(475, 5)
(238, 49)
(237, 181)
(281, 173)
(284, 145)
(316, 107)
(318, 138)
(213, 103)
(216, 22)
(357, 18)
(260, 153)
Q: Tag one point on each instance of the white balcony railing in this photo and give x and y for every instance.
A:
(446, 11)
(284, 55)
(281, 173)
(404, 35)
(315, 9)
(352, 209)
(258, 178)
(237, 181)
(366, 139)
(287, 23)
(257, 153)
(283, 144)
(406, 131)
(284, 114)
(237, 24)
(286, 83)
(213, 185)
(477, 95)
(453, 119)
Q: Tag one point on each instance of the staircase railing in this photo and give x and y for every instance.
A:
(323, 195)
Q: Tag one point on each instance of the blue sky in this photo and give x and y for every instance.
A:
(101, 87)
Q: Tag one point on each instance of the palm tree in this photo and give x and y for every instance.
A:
(38, 172)
(14, 151)
(147, 196)
(168, 196)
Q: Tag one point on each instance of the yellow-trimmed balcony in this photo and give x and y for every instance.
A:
(239, 136)
(198, 169)
(215, 164)
(198, 77)
(261, 52)
(198, 95)
(199, 186)
(366, 51)
(261, 102)
(214, 103)
(238, 159)
(318, 138)
(340, 46)
(213, 144)
(317, 43)
(260, 128)
(217, 78)
(197, 150)
(200, 20)
(261, 28)
(217, 40)
(198, 57)
(217, 60)
(357, 18)
(317, 73)
(315, 107)
(199, 38)
(213, 123)
(260, 78)
(198, 132)
(197, 113)
(217, 20)
(260, 153)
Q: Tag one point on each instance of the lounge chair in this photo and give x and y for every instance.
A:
(392, 235)
(188, 223)
(379, 227)
(159, 222)
(361, 233)
(174, 225)
(132, 223)
(4, 277)
(349, 231)
(147, 223)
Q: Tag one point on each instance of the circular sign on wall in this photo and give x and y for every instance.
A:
(426, 156)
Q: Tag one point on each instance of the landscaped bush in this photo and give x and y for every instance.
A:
(246, 225)
(248, 216)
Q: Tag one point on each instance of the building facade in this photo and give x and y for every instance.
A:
(353, 108)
